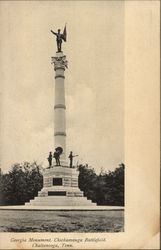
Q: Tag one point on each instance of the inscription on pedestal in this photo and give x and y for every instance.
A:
(47, 182)
(57, 182)
(57, 193)
(66, 182)
(74, 182)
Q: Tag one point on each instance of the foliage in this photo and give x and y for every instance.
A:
(21, 184)
(105, 188)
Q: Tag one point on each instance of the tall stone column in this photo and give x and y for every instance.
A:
(60, 63)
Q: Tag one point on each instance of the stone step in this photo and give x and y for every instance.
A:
(65, 202)
(61, 196)
(61, 200)
(68, 195)
(46, 198)
(62, 189)
(60, 204)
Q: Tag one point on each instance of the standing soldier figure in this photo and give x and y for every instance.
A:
(57, 157)
(71, 156)
(50, 159)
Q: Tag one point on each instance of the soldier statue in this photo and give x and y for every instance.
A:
(50, 159)
(71, 156)
(56, 155)
(60, 37)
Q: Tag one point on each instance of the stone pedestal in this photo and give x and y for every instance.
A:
(60, 188)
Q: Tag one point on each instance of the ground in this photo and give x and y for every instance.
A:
(61, 221)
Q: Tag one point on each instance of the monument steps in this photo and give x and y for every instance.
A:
(47, 198)
(64, 202)
(60, 204)
(60, 201)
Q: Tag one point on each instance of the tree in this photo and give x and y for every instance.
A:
(21, 184)
(86, 180)
(105, 188)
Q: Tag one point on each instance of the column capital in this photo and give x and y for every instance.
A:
(59, 61)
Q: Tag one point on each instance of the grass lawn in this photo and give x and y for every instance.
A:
(61, 221)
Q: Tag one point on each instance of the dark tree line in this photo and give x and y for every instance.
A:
(23, 182)
(107, 188)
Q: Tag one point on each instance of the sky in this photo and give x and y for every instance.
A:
(94, 81)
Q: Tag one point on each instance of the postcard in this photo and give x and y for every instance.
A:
(80, 124)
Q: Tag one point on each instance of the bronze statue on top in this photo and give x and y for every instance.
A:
(60, 37)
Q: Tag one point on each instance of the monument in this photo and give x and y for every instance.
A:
(60, 181)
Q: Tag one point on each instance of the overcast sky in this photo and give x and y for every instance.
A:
(94, 81)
